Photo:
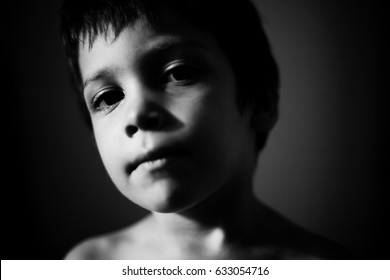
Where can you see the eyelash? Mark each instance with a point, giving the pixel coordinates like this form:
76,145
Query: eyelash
175,74
180,73
115,94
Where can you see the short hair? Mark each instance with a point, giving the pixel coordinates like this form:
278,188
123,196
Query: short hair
234,24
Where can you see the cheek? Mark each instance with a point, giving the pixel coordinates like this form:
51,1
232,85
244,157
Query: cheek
219,134
214,113
109,149
203,105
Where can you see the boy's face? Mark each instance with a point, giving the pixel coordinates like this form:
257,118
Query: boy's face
164,114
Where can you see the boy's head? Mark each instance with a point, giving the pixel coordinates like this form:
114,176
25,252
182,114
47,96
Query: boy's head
179,93
235,25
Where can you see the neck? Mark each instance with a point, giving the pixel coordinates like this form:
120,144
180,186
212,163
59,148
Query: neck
223,216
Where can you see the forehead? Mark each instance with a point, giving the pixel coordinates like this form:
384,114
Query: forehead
141,37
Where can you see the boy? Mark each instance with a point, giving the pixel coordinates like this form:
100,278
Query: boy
181,96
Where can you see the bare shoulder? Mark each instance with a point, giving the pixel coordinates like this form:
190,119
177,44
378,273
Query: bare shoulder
90,249
121,244
286,240
96,248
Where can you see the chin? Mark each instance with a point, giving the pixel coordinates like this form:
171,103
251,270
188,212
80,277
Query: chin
166,200
162,206
167,205
167,194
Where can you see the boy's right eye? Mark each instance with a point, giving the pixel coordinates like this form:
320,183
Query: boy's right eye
107,99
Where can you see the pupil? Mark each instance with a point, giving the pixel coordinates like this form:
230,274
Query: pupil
113,97
183,73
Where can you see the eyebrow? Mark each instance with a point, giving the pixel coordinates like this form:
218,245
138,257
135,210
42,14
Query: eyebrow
103,73
174,42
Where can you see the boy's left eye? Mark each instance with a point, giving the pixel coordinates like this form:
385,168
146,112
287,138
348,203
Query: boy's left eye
181,74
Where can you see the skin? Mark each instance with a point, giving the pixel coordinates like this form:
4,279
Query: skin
167,126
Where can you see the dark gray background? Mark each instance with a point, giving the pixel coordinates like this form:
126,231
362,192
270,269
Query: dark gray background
324,167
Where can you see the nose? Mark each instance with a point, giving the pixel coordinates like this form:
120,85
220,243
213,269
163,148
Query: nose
146,120
145,113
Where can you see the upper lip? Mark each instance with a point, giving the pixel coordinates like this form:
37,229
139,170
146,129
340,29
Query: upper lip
158,153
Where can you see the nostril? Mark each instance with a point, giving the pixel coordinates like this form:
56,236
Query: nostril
131,130
146,121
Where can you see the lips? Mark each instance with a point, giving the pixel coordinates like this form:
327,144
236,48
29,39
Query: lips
157,158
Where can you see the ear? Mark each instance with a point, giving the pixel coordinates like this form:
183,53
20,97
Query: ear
263,121
265,114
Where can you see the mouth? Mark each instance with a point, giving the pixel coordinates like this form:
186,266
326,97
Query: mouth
157,159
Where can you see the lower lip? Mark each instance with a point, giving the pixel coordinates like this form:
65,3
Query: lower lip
161,164
158,163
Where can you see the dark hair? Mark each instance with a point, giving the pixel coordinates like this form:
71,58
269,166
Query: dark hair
235,24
